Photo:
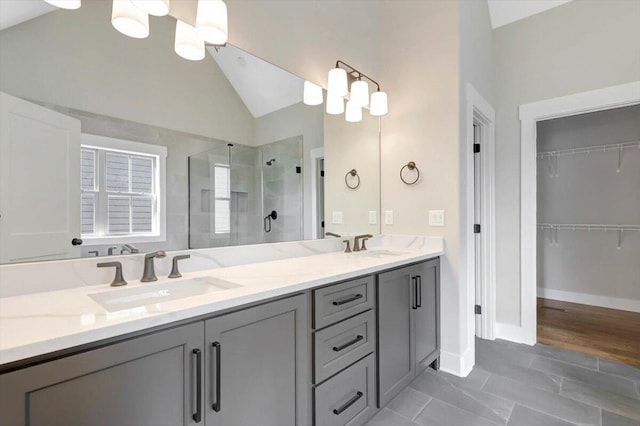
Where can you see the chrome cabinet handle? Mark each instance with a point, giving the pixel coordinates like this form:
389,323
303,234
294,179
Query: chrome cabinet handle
349,403
216,405
347,300
346,345
197,416
418,291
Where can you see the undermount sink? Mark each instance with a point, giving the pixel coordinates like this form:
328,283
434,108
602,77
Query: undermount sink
379,253
148,294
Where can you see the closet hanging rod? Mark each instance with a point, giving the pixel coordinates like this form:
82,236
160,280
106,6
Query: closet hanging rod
589,149
588,227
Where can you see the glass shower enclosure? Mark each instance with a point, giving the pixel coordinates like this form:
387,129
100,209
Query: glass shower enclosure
240,194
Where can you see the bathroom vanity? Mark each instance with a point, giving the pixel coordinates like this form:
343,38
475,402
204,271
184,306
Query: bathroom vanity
322,351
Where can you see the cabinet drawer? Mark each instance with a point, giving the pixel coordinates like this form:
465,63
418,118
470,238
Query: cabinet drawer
340,301
349,397
342,344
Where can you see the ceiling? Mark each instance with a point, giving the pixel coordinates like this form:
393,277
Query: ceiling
13,12
263,87
504,12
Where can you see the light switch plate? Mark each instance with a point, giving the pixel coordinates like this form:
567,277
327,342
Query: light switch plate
388,217
436,217
336,218
373,217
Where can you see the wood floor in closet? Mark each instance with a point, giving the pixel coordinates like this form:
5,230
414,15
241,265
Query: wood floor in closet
602,332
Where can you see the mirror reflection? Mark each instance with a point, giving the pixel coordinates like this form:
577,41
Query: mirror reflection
112,145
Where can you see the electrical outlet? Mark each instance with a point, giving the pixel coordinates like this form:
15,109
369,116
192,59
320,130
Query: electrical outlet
372,217
436,217
336,218
388,217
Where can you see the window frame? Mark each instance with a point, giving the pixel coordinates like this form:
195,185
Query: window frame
101,143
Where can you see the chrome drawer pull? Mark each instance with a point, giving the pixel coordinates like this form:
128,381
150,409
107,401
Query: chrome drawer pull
346,345
347,300
349,403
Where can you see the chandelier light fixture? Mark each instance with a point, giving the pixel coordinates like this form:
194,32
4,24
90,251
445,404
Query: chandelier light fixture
153,7
312,94
338,90
131,18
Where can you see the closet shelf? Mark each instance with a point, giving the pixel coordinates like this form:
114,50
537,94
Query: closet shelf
589,149
588,227
555,227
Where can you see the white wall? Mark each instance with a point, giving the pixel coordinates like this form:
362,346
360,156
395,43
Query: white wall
580,46
350,146
587,188
420,59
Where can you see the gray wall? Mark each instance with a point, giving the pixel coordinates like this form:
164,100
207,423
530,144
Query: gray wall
579,46
585,188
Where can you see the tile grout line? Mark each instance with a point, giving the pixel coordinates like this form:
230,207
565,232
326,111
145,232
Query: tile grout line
422,409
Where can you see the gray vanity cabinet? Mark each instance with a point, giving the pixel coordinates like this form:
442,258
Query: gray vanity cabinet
408,325
256,365
148,380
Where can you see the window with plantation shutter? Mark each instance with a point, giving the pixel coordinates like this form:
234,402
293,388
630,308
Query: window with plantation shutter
121,190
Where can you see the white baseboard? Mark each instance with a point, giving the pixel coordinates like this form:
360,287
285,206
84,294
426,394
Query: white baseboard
632,305
458,364
510,332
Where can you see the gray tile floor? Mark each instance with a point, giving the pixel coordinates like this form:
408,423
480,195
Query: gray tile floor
519,385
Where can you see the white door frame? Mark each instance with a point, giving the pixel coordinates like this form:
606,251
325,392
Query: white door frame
478,110
579,103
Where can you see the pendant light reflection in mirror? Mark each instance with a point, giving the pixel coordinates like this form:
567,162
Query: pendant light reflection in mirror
338,90
131,18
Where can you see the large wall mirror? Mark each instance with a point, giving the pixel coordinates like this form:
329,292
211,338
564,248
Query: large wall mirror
123,144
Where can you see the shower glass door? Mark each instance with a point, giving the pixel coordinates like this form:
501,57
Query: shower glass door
282,190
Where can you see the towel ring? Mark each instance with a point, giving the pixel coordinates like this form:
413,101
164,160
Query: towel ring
411,166
353,173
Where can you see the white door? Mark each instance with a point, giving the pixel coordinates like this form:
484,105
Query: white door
39,182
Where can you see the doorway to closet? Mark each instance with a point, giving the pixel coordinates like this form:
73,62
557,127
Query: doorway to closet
588,233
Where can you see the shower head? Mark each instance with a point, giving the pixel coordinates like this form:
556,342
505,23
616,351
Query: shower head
270,162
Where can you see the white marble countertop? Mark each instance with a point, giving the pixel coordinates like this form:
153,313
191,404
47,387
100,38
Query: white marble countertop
40,323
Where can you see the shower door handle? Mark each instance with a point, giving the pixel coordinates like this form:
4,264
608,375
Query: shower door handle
267,220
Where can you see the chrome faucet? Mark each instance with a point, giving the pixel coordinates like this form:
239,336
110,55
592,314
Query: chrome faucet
357,238
129,248
149,273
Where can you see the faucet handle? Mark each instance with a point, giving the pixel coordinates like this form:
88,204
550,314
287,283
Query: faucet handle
364,247
118,280
175,273
348,249
111,249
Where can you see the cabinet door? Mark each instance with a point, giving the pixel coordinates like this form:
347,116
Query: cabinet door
396,363
256,367
427,316
149,380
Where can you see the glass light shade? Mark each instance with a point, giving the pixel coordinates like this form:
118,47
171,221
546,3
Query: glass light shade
189,44
360,93
335,103
354,112
129,20
338,81
211,21
312,94
65,4
378,106
153,7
